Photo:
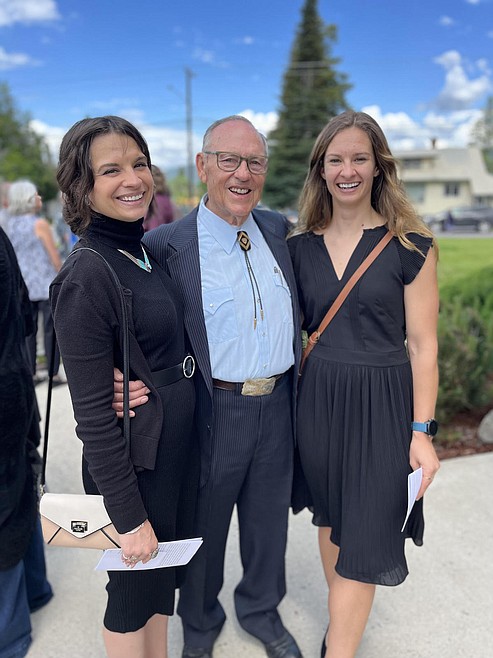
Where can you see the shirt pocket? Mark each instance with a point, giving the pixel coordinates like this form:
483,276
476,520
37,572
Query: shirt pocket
283,296
220,314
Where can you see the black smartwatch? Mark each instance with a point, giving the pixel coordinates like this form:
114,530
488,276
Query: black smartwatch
430,427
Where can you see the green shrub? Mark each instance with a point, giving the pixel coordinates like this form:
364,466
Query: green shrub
475,289
465,339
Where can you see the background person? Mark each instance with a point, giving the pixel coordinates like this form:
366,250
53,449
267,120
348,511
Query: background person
4,202
149,488
39,260
360,389
24,587
161,210
240,337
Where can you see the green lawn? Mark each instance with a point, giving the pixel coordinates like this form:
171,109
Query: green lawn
460,256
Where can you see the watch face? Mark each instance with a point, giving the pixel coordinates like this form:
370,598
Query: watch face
433,425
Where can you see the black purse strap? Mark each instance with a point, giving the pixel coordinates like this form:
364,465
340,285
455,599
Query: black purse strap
126,367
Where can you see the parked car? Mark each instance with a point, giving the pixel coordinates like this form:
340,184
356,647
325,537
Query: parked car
474,218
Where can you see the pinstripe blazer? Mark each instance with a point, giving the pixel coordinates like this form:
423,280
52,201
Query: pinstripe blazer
176,247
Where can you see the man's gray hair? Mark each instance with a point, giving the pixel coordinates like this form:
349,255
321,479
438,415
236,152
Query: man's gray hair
234,117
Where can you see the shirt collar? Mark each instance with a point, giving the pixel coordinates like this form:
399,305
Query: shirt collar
225,234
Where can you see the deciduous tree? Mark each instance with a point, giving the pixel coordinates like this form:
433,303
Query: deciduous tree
483,133
23,153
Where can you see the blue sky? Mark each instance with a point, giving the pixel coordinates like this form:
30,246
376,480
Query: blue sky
422,68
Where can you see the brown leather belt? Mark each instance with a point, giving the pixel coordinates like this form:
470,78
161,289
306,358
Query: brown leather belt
260,386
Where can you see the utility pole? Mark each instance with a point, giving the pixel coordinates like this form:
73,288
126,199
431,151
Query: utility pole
190,163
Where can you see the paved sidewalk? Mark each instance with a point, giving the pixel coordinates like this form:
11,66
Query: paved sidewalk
443,610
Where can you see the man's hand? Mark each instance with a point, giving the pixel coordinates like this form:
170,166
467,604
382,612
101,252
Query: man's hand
138,394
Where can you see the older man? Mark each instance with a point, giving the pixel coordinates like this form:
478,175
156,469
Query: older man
233,268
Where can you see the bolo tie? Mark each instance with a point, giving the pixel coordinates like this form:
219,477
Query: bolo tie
246,245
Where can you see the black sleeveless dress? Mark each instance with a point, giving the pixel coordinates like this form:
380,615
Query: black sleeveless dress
355,404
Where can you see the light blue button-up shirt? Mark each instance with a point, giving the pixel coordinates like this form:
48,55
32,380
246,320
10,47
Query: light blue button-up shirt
238,351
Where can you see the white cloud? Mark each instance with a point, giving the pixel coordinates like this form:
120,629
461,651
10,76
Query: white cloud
446,21
208,57
52,134
27,11
459,91
453,129
168,147
473,2
404,133
245,41
401,130
484,66
15,60
264,122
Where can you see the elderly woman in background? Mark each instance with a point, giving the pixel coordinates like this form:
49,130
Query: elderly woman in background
39,260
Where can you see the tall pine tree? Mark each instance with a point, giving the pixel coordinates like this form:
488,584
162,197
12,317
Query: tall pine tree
313,92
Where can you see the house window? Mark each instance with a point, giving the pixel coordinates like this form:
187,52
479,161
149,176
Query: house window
452,189
415,192
411,163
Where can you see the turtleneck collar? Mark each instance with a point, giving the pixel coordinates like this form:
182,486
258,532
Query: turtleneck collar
115,233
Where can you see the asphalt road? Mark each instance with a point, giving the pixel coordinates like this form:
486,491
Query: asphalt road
463,234
443,610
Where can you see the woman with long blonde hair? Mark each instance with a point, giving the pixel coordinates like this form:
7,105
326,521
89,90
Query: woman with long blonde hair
368,389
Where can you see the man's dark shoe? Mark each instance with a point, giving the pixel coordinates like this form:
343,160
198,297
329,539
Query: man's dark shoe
196,652
284,647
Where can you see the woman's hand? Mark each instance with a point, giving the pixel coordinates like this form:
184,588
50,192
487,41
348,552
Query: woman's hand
137,394
422,453
138,546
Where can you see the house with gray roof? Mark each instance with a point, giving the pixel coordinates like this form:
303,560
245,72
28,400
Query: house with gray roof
441,179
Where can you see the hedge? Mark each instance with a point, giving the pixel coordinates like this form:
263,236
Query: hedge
465,344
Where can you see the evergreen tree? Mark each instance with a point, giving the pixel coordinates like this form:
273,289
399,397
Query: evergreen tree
23,153
313,92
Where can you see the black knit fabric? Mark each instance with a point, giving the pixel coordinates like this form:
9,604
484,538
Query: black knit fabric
166,492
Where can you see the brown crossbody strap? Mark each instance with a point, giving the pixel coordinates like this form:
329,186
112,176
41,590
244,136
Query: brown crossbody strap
339,300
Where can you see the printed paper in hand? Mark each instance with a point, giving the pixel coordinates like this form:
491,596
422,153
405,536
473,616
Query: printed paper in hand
413,484
171,554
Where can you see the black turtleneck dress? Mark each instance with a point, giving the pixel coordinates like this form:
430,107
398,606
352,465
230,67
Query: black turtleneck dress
157,477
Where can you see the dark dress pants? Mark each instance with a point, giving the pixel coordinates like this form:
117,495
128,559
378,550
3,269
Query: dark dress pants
38,588
252,462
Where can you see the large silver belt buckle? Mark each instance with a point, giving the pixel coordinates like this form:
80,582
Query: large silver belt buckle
260,386
188,366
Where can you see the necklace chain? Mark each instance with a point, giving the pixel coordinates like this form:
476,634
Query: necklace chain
143,264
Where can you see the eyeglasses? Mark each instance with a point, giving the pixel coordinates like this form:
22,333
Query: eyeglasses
257,164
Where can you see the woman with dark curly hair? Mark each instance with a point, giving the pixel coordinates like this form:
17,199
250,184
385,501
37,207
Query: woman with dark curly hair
149,486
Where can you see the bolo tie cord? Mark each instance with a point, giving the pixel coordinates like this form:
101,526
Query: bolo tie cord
245,244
